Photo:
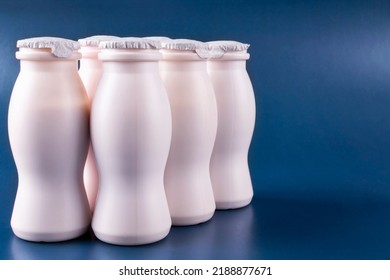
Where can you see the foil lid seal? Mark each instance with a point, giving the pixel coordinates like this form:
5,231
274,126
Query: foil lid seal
60,47
130,43
199,47
94,41
218,48
158,38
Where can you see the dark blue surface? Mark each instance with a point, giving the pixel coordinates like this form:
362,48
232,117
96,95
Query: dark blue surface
270,228
320,154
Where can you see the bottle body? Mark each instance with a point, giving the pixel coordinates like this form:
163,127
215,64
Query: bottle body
48,132
131,133
236,118
90,72
194,123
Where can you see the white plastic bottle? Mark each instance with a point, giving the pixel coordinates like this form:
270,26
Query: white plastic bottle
236,119
194,124
48,132
90,72
131,133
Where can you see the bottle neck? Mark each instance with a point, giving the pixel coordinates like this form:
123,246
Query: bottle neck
174,60
90,64
137,67
49,65
183,65
129,60
229,61
226,65
42,60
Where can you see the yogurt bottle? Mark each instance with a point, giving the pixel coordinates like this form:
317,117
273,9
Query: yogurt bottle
188,187
131,134
48,132
236,119
90,72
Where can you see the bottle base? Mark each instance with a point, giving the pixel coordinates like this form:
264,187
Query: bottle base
131,240
190,221
49,237
226,205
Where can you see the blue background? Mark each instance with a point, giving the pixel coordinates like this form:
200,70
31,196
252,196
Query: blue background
319,158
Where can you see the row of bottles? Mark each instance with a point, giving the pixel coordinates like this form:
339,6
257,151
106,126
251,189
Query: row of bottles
162,126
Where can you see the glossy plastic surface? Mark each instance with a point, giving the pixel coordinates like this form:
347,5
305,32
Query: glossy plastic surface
229,169
90,72
194,126
48,132
131,133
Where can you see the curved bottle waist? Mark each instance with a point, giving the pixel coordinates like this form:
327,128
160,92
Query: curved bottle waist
48,122
130,124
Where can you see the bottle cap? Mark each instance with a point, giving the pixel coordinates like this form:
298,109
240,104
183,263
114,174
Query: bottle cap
94,41
158,38
219,48
60,47
187,45
130,43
